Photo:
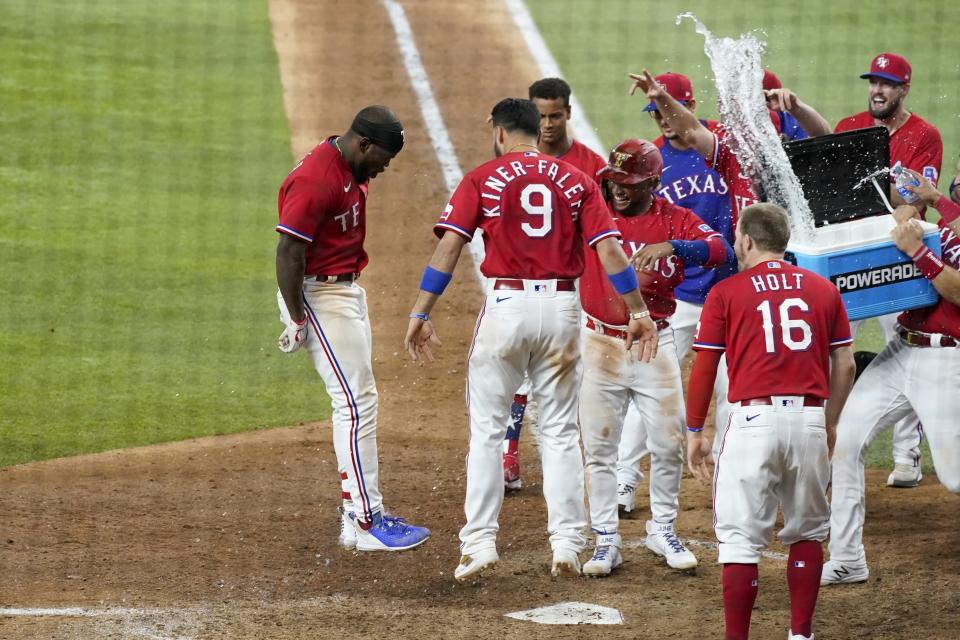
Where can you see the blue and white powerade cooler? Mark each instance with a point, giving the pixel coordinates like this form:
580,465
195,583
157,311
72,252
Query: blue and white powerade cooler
852,246
873,276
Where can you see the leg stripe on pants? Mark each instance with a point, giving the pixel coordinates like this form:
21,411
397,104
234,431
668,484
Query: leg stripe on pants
716,468
473,343
351,404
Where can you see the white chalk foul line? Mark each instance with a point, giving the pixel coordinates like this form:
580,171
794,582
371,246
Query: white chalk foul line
71,612
582,129
430,111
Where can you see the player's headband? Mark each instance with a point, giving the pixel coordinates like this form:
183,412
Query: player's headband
388,137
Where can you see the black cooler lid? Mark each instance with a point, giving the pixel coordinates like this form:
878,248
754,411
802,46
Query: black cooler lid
829,167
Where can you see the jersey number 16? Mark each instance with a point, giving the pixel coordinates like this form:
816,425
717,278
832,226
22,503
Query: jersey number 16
789,327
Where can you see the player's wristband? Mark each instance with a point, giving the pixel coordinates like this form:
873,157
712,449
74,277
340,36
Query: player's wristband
640,315
421,316
694,429
695,251
949,210
928,262
625,281
434,281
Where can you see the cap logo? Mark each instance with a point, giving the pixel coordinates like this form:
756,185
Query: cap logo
882,62
619,158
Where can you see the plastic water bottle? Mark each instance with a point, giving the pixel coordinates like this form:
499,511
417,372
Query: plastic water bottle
903,179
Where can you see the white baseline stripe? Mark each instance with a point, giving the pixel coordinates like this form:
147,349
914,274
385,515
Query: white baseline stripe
582,129
70,612
430,111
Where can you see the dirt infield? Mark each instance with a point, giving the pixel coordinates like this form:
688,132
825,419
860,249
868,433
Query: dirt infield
235,536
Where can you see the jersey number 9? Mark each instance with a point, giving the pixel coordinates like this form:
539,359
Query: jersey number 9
544,210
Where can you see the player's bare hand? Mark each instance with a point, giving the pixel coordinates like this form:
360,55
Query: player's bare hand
698,455
645,82
646,257
927,192
293,336
420,335
831,440
644,333
908,236
781,99
905,212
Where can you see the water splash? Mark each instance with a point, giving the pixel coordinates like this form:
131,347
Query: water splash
738,76
868,178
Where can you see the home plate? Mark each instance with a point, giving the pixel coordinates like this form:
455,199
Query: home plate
570,613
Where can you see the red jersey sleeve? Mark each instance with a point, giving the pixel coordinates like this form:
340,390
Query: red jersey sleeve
840,334
303,207
712,328
462,213
595,220
929,153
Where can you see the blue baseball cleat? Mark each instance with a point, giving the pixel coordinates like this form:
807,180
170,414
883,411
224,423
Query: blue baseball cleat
388,533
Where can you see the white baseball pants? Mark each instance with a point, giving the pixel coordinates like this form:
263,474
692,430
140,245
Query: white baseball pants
536,331
339,343
902,380
633,443
907,432
612,379
770,456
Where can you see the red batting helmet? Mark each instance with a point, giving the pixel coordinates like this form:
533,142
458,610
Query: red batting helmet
632,161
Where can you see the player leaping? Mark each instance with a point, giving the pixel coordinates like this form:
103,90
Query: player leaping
535,212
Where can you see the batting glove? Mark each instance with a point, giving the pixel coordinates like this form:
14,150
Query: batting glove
293,336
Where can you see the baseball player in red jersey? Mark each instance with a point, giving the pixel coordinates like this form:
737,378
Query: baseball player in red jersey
717,153
552,98
686,181
662,238
322,205
916,144
785,333
917,373
535,212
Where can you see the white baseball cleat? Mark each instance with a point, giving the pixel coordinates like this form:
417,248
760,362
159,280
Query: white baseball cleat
904,476
836,572
626,497
348,534
473,564
606,556
791,636
565,563
664,542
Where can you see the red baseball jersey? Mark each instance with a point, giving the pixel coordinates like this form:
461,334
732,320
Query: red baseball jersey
916,144
725,162
777,324
534,210
321,204
661,223
943,317
584,158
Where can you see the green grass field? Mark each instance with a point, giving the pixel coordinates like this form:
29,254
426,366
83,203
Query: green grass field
143,146
818,49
